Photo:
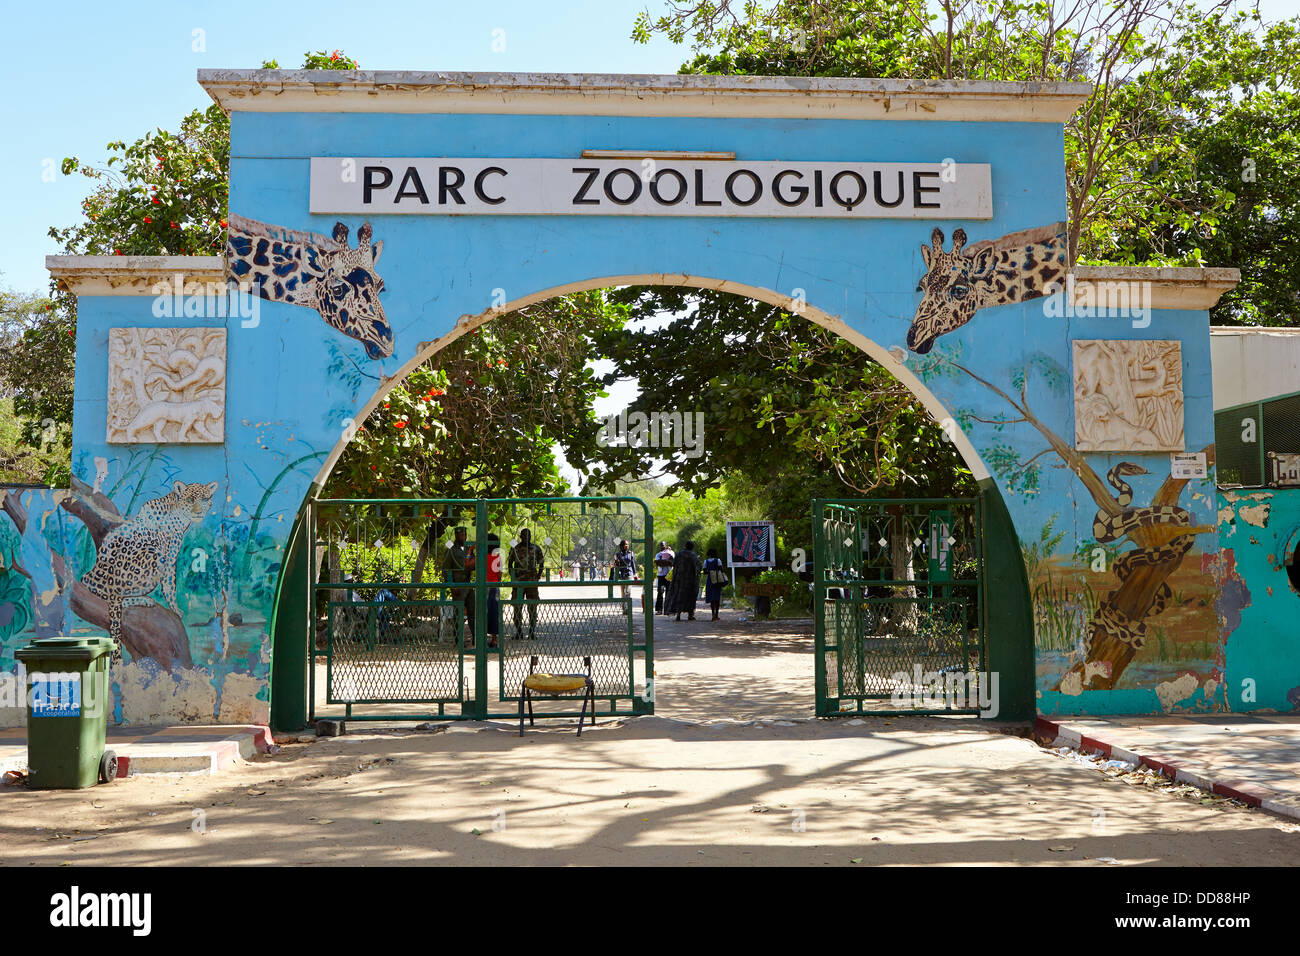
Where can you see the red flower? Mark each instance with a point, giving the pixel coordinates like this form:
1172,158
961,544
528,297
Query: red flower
223,224
147,219
399,424
156,201
173,225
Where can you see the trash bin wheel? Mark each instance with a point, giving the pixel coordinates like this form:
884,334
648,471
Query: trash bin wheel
108,767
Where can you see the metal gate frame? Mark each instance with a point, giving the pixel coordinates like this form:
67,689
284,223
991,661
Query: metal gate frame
832,569
436,595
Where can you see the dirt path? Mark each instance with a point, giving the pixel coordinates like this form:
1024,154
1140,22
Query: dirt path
651,791
699,783
735,668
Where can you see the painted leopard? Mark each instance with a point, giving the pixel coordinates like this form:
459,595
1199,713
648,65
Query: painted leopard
139,554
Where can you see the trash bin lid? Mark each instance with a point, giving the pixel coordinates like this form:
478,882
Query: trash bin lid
66,648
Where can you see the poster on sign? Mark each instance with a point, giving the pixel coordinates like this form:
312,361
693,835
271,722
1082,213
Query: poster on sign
751,544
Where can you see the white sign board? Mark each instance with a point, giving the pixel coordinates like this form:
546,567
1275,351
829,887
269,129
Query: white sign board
650,187
1284,467
1191,465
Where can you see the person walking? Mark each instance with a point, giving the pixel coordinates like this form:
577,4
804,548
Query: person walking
663,564
715,579
494,593
685,588
625,570
527,563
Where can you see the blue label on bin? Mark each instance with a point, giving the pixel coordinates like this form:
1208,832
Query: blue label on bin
56,695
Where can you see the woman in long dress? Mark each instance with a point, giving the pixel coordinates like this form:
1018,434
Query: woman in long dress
713,568
685,586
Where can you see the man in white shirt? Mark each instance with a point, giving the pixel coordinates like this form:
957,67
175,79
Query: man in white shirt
663,564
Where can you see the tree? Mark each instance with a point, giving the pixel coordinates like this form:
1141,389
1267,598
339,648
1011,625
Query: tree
1228,161
483,416
35,369
163,194
1156,158
783,400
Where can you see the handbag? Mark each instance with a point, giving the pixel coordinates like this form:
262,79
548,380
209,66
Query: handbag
717,576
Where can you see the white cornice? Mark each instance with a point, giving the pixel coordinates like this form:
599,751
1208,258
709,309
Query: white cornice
1182,288
601,94
132,275
1170,288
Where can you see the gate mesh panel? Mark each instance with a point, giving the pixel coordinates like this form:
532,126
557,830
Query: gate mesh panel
1237,462
883,642
567,631
390,651
1281,432
902,619
391,597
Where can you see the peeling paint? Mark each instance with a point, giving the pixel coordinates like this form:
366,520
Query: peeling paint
147,694
1173,691
1256,515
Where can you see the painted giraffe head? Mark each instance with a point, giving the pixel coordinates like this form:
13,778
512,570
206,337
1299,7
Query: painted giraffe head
956,284
320,272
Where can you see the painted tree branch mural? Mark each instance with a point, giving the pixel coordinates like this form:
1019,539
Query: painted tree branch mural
1162,533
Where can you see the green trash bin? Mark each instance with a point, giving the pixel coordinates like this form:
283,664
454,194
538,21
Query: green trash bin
68,700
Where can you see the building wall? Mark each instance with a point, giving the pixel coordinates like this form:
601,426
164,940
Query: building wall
1260,532
1254,364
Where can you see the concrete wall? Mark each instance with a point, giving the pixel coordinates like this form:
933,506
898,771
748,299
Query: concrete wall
1254,364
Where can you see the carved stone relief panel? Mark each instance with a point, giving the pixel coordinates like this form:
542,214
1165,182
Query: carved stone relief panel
166,385
1128,395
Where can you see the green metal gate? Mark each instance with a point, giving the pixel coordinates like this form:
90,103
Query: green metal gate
899,606
396,637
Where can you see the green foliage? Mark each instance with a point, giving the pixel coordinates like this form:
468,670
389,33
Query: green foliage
163,194
483,416
786,403
795,598
1185,153
36,349
680,518
320,60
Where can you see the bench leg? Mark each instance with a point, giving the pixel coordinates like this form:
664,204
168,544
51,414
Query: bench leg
522,694
583,716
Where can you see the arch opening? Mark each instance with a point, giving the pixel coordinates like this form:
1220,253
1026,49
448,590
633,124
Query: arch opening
887,361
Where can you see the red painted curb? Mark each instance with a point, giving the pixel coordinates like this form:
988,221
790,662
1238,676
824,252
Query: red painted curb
1092,743
1240,790
1248,793
1048,728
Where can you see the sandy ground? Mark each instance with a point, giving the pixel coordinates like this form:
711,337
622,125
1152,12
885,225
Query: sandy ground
668,789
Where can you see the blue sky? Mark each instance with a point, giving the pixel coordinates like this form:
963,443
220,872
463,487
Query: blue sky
86,73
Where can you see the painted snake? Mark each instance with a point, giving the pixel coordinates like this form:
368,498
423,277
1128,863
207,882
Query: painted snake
1108,527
